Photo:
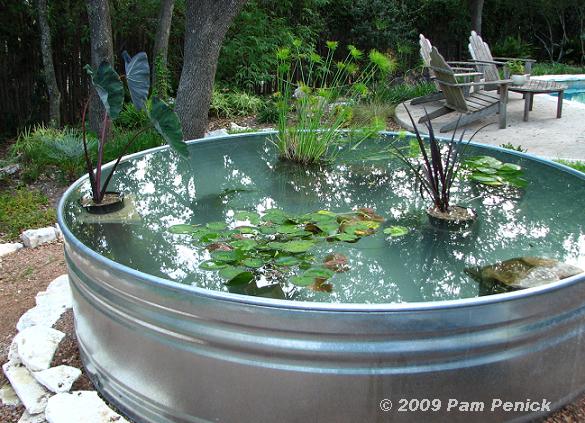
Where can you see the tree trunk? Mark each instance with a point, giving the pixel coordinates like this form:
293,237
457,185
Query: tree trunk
206,23
48,67
161,45
476,9
100,31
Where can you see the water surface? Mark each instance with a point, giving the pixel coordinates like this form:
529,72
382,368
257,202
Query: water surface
225,176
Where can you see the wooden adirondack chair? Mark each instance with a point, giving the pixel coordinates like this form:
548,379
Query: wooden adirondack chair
481,54
477,105
467,70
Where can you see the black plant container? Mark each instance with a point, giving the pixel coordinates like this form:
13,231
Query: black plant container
452,224
114,201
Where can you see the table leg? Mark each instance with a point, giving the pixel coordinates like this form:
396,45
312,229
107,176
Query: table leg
527,102
531,101
560,104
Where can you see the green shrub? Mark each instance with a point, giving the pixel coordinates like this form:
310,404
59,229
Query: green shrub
44,150
556,69
235,103
396,94
268,113
23,209
41,148
144,141
132,118
511,146
580,166
373,112
512,47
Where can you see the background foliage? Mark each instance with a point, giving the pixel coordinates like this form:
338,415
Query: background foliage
550,31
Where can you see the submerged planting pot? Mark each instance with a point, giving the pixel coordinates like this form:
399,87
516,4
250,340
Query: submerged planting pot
161,351
459,218
112,202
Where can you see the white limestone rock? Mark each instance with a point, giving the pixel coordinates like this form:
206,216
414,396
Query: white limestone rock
37,346
32,394
235,127
80,406
32,238
58,294
51,304
8,396
32,418
217,133
58,232
58,379
9,248
13,353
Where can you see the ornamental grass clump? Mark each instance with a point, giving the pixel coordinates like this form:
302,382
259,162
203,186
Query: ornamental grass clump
315,98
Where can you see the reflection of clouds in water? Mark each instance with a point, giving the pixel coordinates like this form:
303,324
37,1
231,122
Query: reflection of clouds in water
423,265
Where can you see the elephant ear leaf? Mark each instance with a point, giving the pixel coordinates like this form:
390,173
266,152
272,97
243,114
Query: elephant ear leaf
137,77
109,87
167,124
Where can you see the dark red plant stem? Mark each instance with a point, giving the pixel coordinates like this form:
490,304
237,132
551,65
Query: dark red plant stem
126,147
100,157
89,167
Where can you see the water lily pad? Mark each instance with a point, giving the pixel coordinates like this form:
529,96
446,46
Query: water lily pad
297,246
236,275
302,280
206,236
267,229
244,244
318,272
289,229
247,230
227,256
396,231
345,237
216,226
183,229
253,262
218,246
336,262
321,285
275,216
212,265
287,261
252,217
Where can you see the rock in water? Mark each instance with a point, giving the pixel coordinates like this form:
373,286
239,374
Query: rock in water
524,272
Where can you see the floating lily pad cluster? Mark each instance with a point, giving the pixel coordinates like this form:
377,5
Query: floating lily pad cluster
490,171
277,246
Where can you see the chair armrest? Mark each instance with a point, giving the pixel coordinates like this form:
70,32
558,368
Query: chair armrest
508,59
502,82
457,75
470,63
489,62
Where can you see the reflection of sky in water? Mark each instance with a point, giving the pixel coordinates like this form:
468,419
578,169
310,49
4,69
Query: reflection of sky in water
243,174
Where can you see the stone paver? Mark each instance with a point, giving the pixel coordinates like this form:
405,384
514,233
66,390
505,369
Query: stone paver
80,406
34,237
542,135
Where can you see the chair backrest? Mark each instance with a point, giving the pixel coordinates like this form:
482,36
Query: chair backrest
454,96
479,50
425,54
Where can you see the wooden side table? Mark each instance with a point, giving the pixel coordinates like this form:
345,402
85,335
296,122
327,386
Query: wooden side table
540,87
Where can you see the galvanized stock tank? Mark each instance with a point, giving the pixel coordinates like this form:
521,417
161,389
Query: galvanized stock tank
162,351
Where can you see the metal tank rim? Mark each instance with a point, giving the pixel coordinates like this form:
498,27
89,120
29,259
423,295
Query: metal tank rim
306,305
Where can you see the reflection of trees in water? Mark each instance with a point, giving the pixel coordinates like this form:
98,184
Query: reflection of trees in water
425,264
